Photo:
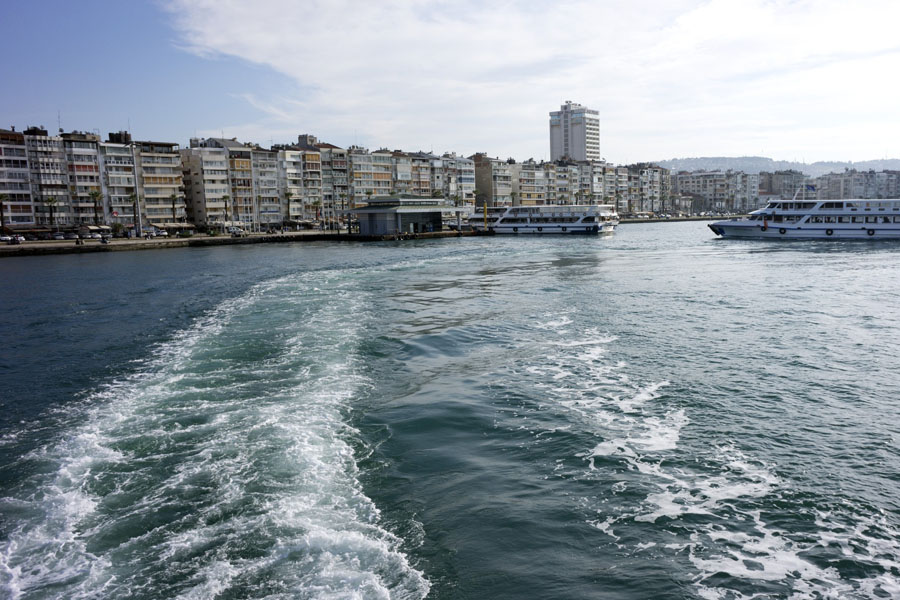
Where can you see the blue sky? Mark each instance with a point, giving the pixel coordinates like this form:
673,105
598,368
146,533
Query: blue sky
790,79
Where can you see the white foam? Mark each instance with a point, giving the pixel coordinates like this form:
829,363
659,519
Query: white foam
286,438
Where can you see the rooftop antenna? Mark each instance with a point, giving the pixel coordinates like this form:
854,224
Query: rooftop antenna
59,120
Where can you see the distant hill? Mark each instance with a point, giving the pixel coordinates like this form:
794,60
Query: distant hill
755,164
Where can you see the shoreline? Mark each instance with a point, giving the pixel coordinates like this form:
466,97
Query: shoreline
45,247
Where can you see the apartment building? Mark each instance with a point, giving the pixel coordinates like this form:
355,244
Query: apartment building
160,179
49,178
290,183
243,209
728,191
575,133
649,188
264,170
16,205
83,166
493,181
401,172
335,178
207,190
118,180
782,184
458,180
529,183
371,174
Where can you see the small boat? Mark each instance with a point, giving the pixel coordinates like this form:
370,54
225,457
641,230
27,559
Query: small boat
588,219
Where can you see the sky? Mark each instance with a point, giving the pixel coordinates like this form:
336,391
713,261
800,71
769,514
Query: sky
789,79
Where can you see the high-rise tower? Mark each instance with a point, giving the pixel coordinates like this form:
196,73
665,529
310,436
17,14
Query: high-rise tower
574,133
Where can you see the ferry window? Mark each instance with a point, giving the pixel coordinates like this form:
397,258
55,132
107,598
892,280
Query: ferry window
777,218
829,219
843,219
816,219
885,219
871,219
896,219
858,220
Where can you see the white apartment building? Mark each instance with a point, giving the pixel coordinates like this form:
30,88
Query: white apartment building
458,178
160,179
15,180
290,183
243,204
49,178
574,133
83,164
118,180
401,172
371,174
335,179
264,168
721,191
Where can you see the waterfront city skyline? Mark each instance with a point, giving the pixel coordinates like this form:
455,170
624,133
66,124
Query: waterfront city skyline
668,80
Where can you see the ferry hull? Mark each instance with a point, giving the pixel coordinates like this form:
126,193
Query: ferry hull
748,230
549,230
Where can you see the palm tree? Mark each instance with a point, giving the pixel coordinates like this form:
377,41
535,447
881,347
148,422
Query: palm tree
95,198
225,199
287,198
51,201
174,199
134,212
3,198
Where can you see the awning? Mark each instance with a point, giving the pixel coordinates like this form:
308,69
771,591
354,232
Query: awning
173,225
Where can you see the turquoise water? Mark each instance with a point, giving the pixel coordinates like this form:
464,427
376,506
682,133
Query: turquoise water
658,414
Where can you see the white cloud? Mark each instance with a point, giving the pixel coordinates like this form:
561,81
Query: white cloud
790,79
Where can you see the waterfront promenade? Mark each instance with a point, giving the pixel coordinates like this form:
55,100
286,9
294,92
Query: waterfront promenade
44,247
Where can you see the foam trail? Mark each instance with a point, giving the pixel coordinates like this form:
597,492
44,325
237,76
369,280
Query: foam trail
223,466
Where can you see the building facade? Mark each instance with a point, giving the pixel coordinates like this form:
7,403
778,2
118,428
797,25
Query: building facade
575,133
493,181
16,205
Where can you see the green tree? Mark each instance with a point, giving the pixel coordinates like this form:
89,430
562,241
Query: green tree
174,200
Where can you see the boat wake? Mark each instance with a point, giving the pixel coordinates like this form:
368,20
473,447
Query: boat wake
224,466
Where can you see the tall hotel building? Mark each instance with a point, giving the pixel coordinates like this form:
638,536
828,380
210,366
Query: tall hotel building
574,133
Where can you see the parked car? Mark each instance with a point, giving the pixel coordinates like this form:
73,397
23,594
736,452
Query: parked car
70,236
5,238
58,236
162,233
95,236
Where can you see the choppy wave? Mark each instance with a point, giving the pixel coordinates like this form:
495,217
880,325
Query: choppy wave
715,505
224,465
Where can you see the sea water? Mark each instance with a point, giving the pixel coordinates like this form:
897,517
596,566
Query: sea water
656,414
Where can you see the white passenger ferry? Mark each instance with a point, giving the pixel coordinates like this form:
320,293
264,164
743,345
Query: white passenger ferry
589,219
819,219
